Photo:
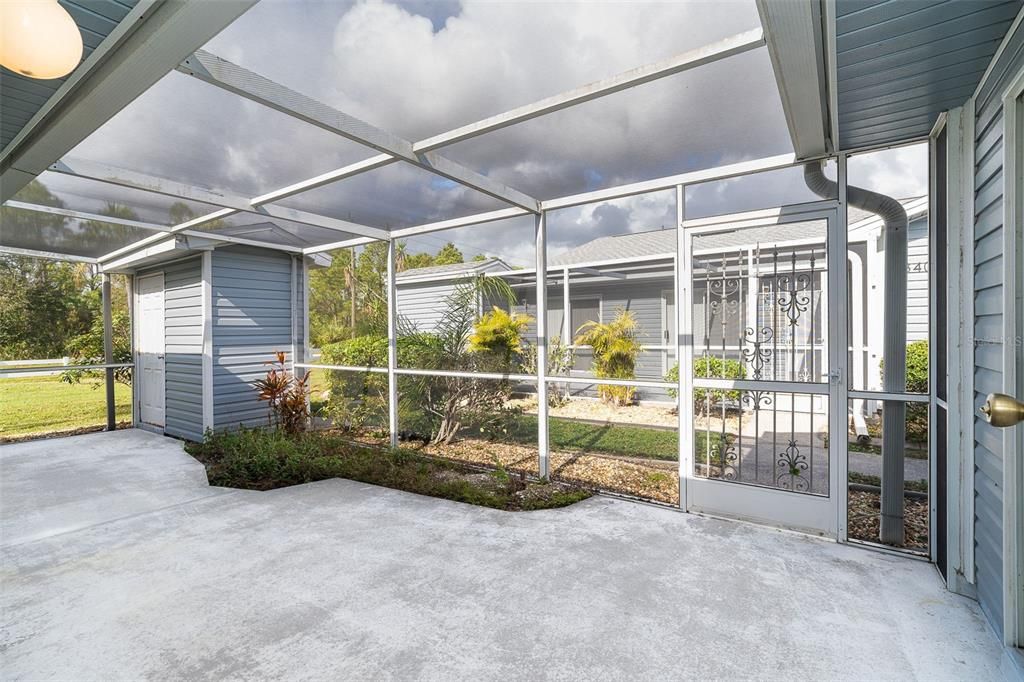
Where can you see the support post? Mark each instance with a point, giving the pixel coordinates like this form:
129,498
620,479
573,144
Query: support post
684,349
392,346
108,351
542,343
566,309
352,293
129,282
836,344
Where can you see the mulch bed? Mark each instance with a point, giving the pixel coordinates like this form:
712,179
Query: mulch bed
864,518
649,479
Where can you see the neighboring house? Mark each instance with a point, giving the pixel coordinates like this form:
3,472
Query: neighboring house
635,272
422,293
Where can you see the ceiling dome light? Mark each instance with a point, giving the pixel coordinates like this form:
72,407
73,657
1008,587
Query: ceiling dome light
38,38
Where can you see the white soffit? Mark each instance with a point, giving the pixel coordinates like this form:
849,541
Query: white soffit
793,34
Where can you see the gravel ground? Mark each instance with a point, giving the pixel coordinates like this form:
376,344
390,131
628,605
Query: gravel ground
595,410
650,479
864,519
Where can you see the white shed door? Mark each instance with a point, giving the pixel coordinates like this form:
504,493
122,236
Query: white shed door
151,349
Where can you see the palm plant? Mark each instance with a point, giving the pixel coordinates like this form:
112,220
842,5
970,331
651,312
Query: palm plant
454,402
616,349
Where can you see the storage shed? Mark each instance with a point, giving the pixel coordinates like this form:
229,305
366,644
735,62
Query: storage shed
207,317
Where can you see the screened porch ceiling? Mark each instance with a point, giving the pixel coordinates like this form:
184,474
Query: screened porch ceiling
309,126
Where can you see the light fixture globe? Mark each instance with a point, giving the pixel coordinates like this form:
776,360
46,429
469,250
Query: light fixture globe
38,38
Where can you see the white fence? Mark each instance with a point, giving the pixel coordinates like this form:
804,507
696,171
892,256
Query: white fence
24,368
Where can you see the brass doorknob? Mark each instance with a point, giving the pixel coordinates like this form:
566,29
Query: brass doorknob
1002,410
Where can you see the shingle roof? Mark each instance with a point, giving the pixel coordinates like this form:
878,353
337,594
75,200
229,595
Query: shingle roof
266,231
453,269
662,242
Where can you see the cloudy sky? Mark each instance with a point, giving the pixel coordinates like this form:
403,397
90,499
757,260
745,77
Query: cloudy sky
420,67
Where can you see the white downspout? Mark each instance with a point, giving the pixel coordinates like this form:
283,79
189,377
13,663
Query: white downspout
894,355
857,324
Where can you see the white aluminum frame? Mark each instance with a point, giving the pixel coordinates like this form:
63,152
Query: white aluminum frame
241,82
207,364
808,512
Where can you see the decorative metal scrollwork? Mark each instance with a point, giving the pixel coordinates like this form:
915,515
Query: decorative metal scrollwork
760,354
792,465
793,296
725,287
755,400
727,458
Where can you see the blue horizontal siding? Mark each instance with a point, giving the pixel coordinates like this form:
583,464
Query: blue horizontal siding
252,318
183,349
900,64
989,291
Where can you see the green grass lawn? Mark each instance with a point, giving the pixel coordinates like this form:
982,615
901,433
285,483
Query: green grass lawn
37,405
614,439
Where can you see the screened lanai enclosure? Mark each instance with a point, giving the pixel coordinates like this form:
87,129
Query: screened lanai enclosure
704,270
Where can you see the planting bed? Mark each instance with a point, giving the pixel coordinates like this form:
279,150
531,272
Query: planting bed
264,459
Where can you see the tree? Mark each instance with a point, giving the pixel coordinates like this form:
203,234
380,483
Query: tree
347,301
448,255
102,236
330,300
418,260
43,303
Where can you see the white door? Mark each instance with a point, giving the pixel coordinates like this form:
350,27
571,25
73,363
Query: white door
757,377
150,308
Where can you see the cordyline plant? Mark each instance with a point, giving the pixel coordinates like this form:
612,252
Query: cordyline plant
287,396
616,349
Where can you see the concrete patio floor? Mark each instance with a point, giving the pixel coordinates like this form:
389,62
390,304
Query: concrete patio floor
120,563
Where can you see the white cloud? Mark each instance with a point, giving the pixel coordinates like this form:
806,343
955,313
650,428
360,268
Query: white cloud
417,69
901,172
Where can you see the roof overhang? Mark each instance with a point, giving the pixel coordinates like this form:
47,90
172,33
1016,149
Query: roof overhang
150,42
179,246
896,66
795,38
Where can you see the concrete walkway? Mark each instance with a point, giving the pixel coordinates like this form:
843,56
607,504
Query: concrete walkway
119,563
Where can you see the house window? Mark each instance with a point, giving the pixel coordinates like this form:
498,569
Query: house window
583,311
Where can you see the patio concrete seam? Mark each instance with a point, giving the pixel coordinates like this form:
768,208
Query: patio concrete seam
218,492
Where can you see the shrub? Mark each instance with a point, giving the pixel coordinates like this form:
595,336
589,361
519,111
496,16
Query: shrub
88,349
441,405
616,349
359,400
263,459
917,382
715,368
561,359
917,367
498,334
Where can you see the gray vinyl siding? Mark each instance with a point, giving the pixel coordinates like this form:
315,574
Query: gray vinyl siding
422,305
251,291
988,327
643,298
183,349
917,280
